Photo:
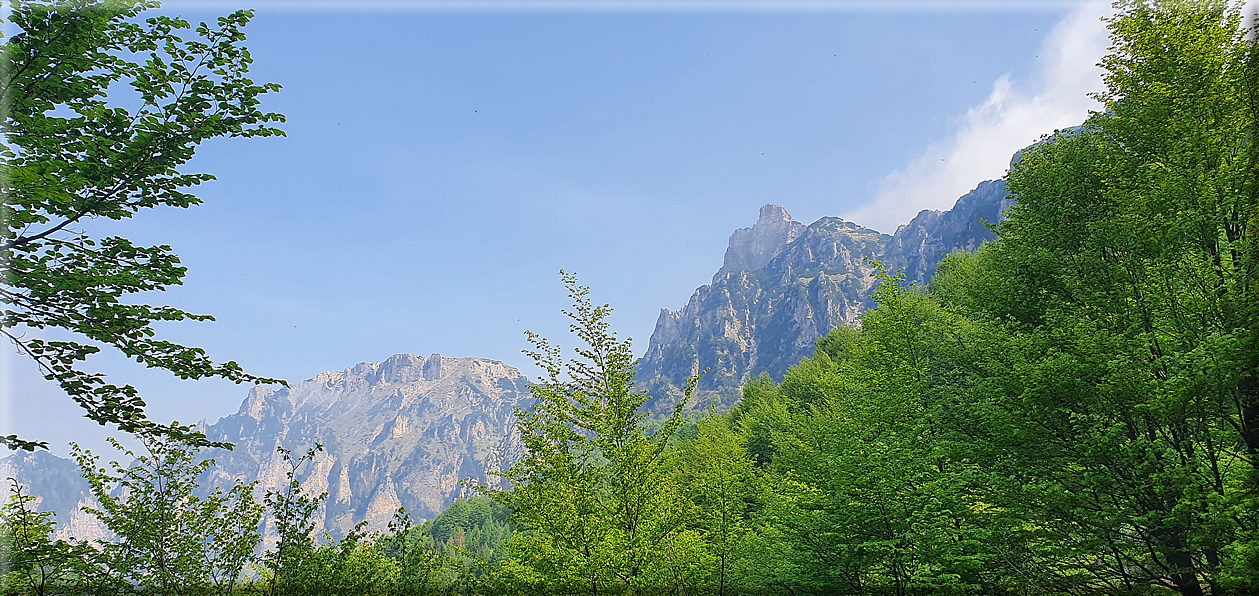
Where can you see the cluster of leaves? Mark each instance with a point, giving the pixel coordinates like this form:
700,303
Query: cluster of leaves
170,539
592,501
161,537
69,156
448,555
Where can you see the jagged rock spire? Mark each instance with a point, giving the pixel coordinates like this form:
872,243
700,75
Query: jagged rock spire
750,249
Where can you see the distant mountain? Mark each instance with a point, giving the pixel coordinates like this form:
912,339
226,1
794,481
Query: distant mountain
765,308
406,431
783,285
917,247
403,432
54,480
58,486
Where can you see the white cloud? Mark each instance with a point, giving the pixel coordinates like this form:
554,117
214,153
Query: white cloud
1014,115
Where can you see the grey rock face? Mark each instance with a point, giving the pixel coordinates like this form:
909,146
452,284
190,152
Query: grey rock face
784,285
57,486
918,247
755,319
403,432
750,249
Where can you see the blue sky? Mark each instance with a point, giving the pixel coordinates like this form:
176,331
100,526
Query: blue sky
442,165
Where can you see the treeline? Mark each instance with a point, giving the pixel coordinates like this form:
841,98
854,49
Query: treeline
162,537
1073,408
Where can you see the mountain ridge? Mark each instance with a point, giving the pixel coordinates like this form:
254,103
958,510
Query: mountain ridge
403,432
407,431
783,285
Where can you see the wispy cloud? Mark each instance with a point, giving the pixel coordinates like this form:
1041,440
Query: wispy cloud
1015,114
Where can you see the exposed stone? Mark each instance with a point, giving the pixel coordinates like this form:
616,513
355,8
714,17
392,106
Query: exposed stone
404,432
784,285
762,315
750,249
918,246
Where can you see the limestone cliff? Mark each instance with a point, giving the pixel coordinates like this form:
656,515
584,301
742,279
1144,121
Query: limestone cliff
783,285
918,246
403,432
765,308
58,487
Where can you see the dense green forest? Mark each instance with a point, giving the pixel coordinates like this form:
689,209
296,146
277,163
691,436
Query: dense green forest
1073,408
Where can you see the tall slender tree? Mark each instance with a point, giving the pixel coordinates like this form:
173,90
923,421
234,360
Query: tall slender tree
592,501
167,538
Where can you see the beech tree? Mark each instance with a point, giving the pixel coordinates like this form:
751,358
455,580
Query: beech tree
71,155
32,559
716,475
168,539
593,502
1119,368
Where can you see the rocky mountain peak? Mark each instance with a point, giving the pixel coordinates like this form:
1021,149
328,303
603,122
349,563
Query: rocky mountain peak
771,214
750,249
918,246
433,368
402,432
405,432
784,285
397,369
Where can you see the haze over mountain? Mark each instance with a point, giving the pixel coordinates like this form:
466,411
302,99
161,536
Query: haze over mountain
405,432
57,485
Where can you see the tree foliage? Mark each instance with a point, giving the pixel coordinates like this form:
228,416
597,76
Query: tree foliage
1123,316
591,498
167,539
100,110
32,560
1070,409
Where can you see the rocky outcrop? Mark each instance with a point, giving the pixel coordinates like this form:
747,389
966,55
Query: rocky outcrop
751,249
918,246
405,432
784,285
58,487
761,314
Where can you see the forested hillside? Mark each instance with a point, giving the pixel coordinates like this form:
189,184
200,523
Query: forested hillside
1072,408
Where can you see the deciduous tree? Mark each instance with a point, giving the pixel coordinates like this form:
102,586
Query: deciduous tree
592,502
100,111
166,537
1120,365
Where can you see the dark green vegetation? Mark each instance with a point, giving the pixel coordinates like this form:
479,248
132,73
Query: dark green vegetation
1073,408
